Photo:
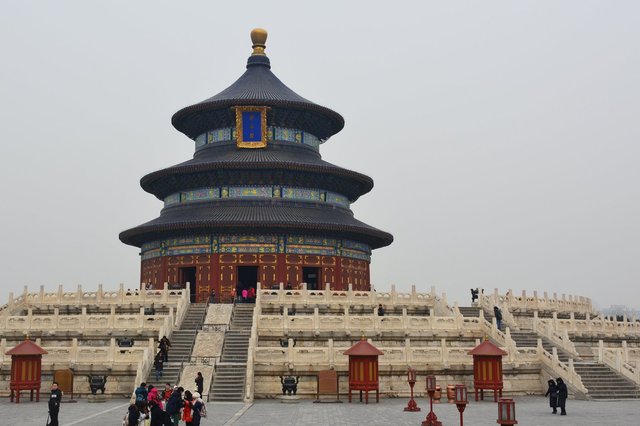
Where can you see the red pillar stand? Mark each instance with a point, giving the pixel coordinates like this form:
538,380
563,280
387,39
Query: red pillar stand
432,419
413,405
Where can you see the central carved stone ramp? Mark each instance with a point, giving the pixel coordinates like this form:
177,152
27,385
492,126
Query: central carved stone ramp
228,382
604,383
181,345
529,339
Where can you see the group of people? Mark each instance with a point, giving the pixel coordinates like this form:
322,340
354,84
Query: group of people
247,295
167,407
557,393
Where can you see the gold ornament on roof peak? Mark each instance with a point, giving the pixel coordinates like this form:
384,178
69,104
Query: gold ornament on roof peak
259,40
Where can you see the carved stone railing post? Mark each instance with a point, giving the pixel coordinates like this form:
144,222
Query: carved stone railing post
600,351
332,361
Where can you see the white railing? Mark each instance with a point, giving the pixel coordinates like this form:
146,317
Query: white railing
57,322
330,356
75,354
284,325
618,360
524,302
251,354
144,368
557,368
343,298
100,297
590,326
545,328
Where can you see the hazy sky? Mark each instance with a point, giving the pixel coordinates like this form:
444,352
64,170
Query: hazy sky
503,137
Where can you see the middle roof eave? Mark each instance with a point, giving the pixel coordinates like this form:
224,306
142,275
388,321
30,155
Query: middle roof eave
162,182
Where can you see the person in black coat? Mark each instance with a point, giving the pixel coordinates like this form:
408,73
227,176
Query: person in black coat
498,314
174,405
133,416
54,404
199,383
563,393
552,393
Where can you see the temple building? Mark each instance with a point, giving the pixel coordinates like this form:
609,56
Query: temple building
256,203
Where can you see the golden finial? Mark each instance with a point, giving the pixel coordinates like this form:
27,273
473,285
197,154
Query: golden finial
258,38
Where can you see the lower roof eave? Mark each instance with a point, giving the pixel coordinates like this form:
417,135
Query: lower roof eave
145,233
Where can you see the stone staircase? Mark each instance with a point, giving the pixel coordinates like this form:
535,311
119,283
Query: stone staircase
474,311
529,339
228,382
182,342
604,383
600,380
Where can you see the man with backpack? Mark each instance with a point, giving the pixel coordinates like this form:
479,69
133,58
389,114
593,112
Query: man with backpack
174,405
141,395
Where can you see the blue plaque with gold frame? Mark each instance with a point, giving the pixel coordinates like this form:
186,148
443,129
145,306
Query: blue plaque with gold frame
251,126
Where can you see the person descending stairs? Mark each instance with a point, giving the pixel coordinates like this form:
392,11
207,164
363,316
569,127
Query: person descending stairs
182,341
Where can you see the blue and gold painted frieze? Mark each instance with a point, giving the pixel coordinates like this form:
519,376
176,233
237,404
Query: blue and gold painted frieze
261,244
287,192
274,133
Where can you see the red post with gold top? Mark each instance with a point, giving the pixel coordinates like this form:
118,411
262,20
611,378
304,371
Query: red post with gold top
26,369
487,369
363,369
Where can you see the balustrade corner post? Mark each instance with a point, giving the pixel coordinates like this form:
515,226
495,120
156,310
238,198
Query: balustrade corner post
600,351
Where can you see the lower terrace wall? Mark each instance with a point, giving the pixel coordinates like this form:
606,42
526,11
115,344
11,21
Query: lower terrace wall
393,381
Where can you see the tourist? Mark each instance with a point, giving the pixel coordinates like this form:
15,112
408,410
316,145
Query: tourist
187,410
54,404
199,410
552,392
199,383
158,365
132,418
252,294
164,346
562,395
158,416
380,310
288,286
154,396
212,297
174,405
245,295
498,314
168,390
141,395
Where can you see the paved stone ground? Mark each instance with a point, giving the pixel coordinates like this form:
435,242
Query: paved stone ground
531,411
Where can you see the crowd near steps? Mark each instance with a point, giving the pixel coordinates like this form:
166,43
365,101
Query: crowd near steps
228,382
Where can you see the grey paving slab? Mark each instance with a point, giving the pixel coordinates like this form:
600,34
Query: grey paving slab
95,414
531,411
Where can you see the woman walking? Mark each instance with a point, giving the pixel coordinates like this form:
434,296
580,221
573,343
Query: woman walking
552,393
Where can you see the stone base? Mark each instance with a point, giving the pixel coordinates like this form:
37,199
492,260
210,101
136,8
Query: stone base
97,398
286,399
